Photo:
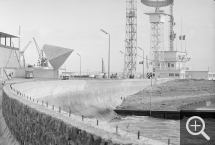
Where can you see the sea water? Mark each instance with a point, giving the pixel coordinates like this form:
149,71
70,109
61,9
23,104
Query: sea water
154,128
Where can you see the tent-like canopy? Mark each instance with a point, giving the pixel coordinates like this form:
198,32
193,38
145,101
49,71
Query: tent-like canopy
56,55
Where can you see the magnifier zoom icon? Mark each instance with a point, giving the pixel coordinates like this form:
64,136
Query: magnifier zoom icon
195,126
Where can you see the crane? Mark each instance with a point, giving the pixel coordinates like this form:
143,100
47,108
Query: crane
42,59
22,53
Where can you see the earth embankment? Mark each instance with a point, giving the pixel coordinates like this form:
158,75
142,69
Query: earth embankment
172,96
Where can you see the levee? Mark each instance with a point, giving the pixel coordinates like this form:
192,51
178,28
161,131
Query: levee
90,98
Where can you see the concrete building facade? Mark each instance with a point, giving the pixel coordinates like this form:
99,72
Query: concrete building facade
175,62
9,56
39,72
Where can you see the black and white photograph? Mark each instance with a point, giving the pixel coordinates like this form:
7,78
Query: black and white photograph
107,72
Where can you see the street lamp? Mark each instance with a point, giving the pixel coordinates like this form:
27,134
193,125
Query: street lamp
108,53
80,64
143,60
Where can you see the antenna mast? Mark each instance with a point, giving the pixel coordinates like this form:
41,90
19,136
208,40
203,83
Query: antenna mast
131,38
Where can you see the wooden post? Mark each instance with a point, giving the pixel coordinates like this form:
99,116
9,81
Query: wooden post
168,141
116,129
82,118
52,107
97,122
70,113
138,135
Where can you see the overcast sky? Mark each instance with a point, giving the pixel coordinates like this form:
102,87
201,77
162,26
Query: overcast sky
76,24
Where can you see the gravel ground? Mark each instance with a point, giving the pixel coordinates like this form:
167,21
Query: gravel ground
172,95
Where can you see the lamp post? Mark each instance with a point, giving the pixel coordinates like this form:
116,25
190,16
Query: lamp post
108,53
143,60
80,64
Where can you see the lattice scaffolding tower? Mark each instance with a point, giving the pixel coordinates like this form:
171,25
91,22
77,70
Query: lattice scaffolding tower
157,44
130,38
157,20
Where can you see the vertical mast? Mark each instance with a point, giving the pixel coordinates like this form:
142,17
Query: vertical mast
131,38
171,34
181,34
19,37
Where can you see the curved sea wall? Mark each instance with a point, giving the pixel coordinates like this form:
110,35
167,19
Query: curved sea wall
32,123
89,98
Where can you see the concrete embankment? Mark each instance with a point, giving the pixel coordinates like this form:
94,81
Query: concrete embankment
84,97
32,124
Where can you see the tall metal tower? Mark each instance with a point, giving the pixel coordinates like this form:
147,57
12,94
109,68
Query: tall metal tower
157,20
157,45
130,38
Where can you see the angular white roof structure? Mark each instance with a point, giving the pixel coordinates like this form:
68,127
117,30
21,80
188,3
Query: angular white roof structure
56,55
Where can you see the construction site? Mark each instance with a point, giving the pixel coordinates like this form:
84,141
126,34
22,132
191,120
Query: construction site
61,99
